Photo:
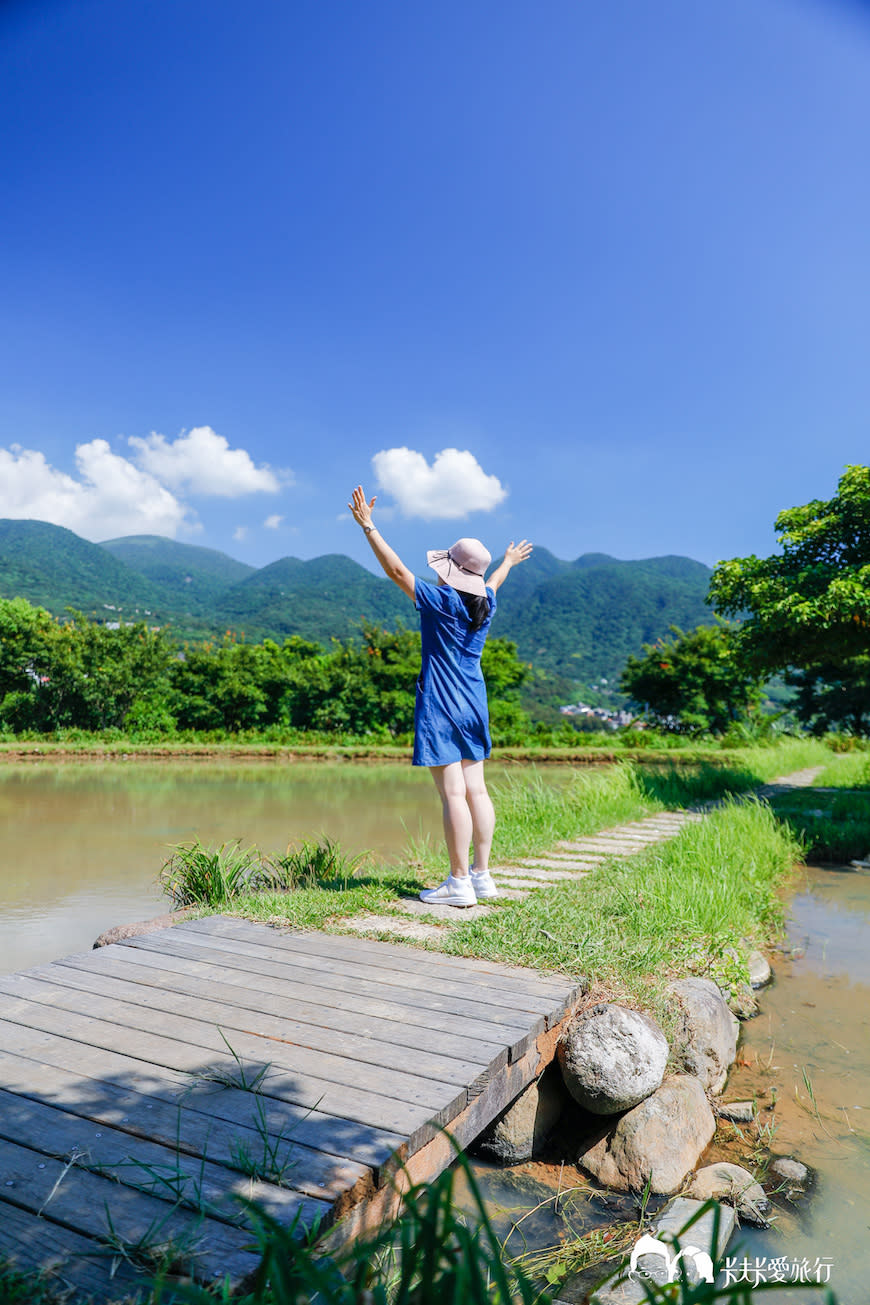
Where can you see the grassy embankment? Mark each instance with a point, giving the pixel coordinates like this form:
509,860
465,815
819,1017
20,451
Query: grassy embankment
832,819
682,907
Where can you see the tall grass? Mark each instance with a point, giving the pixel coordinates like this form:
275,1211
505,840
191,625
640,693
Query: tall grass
209,876
533,813
674,909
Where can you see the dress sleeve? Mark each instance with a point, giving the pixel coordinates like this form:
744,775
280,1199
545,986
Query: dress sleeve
427,597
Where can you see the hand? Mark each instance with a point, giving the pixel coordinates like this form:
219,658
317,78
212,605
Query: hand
516,553
362,511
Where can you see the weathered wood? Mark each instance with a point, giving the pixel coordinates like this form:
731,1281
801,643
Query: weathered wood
356,1102
401,975
163,1091
165,1171
110,993
493,974
413,1025
92,1205
67,1260
326,981
179,1125
164,984
371,1049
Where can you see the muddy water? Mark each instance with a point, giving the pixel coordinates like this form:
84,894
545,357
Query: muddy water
806,1061
83,843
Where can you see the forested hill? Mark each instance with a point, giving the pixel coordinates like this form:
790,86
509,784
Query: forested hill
580,619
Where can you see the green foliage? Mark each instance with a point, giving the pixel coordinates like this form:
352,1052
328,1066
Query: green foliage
694,683
310,865
209,876
808,604
433,1254
576,619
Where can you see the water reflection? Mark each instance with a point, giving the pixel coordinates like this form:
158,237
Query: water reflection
83,843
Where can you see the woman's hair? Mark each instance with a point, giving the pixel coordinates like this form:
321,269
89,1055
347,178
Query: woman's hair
477,607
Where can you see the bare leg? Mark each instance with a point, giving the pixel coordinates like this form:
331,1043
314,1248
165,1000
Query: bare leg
482,813
450,782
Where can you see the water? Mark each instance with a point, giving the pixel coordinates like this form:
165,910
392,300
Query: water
83,843
806,1061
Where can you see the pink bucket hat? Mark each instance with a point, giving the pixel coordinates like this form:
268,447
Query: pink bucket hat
463,566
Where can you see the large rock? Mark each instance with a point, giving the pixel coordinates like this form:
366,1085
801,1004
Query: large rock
734,1185
520,1132
760,972
611,1058
706,1038
659,1141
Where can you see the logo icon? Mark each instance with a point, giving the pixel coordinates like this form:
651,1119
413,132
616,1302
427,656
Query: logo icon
649,1245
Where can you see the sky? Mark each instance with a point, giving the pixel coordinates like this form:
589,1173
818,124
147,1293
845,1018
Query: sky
595,275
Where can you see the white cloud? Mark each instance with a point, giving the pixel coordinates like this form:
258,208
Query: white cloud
273,522
239,533
111,496
202,462
452,487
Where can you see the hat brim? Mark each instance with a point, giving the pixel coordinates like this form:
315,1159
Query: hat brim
452,575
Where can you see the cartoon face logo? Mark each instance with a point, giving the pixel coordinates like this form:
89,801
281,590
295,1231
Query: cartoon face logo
649,1245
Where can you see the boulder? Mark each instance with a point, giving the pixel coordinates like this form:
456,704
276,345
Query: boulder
122,931
739,1112
706,1040
742,1002
659,1141
522,1129
790,1175
760,972
735,1186
611,1058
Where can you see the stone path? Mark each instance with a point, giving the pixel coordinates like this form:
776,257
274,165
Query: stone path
423,921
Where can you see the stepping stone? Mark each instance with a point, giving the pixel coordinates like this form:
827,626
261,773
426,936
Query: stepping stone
540,872
548,863
416,930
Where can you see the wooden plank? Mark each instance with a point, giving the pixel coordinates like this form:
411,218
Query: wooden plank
155,1088
164,1171
504,978
361,1104
391,957
92,1205
180,1125
337,1007
399,977
324,981
232,1020
68,1261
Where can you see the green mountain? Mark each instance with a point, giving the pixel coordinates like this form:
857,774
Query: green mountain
187,578
321,599
54,568
579,620
584,619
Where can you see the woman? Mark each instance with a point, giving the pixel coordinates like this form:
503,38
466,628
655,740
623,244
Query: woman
451,719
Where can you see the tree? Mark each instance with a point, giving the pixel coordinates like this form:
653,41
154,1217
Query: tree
808,605
694,683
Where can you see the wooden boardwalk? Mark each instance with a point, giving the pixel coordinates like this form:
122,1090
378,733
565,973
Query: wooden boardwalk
161,1073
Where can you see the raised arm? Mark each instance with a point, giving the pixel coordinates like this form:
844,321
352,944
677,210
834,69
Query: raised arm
513,555
393,565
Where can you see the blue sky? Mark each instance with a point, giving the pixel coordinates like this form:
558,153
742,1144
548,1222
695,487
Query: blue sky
593,274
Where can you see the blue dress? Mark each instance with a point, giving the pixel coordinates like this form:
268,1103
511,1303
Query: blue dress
451,716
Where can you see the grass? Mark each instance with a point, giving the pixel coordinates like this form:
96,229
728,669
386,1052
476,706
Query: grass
209,876
683,907
849,770
833,827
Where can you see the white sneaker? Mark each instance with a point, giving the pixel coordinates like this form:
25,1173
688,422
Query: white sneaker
483,884
453,892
